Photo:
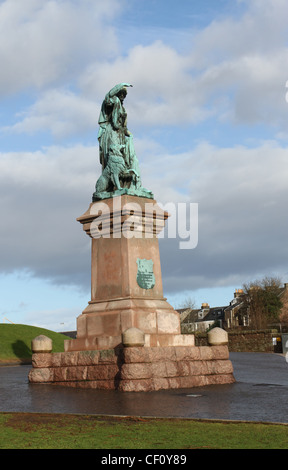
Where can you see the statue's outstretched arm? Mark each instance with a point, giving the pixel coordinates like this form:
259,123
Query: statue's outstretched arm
117,88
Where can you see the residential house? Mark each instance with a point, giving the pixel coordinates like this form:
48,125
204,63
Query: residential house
235,314
193,320
283,294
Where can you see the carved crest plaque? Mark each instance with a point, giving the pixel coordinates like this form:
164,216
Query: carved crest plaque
145,274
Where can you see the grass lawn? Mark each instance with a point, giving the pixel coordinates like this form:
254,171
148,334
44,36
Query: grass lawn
15,341
56,431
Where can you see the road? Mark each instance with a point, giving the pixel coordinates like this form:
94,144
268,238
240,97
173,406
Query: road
259,394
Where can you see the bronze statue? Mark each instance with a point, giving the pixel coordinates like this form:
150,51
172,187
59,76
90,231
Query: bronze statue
120,167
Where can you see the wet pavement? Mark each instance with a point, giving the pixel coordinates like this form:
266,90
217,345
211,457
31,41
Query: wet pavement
259,394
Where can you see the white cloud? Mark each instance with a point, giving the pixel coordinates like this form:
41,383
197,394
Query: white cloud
242,194
162,93
262,28
42,194
55,168
236,68
235,71
45,41
247,56
61,112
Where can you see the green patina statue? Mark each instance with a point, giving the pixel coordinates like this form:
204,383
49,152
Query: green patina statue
120,167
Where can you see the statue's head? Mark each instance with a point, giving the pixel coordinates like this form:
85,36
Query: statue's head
122,94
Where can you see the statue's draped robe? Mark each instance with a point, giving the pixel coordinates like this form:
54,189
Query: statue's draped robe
113,131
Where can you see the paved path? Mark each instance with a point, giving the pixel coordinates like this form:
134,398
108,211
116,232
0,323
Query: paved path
259,394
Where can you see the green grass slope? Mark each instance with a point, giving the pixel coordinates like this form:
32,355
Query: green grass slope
15,341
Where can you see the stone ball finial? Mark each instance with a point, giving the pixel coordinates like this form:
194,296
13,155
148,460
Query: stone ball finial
133,337
217,337
41,344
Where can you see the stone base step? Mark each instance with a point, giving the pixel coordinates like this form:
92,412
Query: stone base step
136,368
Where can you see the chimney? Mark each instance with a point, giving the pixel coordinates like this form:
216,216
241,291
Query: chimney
205,306
237,293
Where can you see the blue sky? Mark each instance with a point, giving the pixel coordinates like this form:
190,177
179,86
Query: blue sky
209,118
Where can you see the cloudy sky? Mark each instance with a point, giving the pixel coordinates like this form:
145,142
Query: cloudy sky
209,116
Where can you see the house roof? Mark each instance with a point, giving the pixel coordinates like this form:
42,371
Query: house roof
208,314
214,313
234,303
191,316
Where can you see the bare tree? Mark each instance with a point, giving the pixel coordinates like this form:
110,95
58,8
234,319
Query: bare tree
262,301
188,302
186,308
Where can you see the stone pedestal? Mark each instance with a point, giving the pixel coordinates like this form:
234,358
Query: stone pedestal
128,337
135,369
126,279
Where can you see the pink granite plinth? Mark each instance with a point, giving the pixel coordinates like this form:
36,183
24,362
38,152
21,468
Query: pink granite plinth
127,293
140,369
102,324
118,302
